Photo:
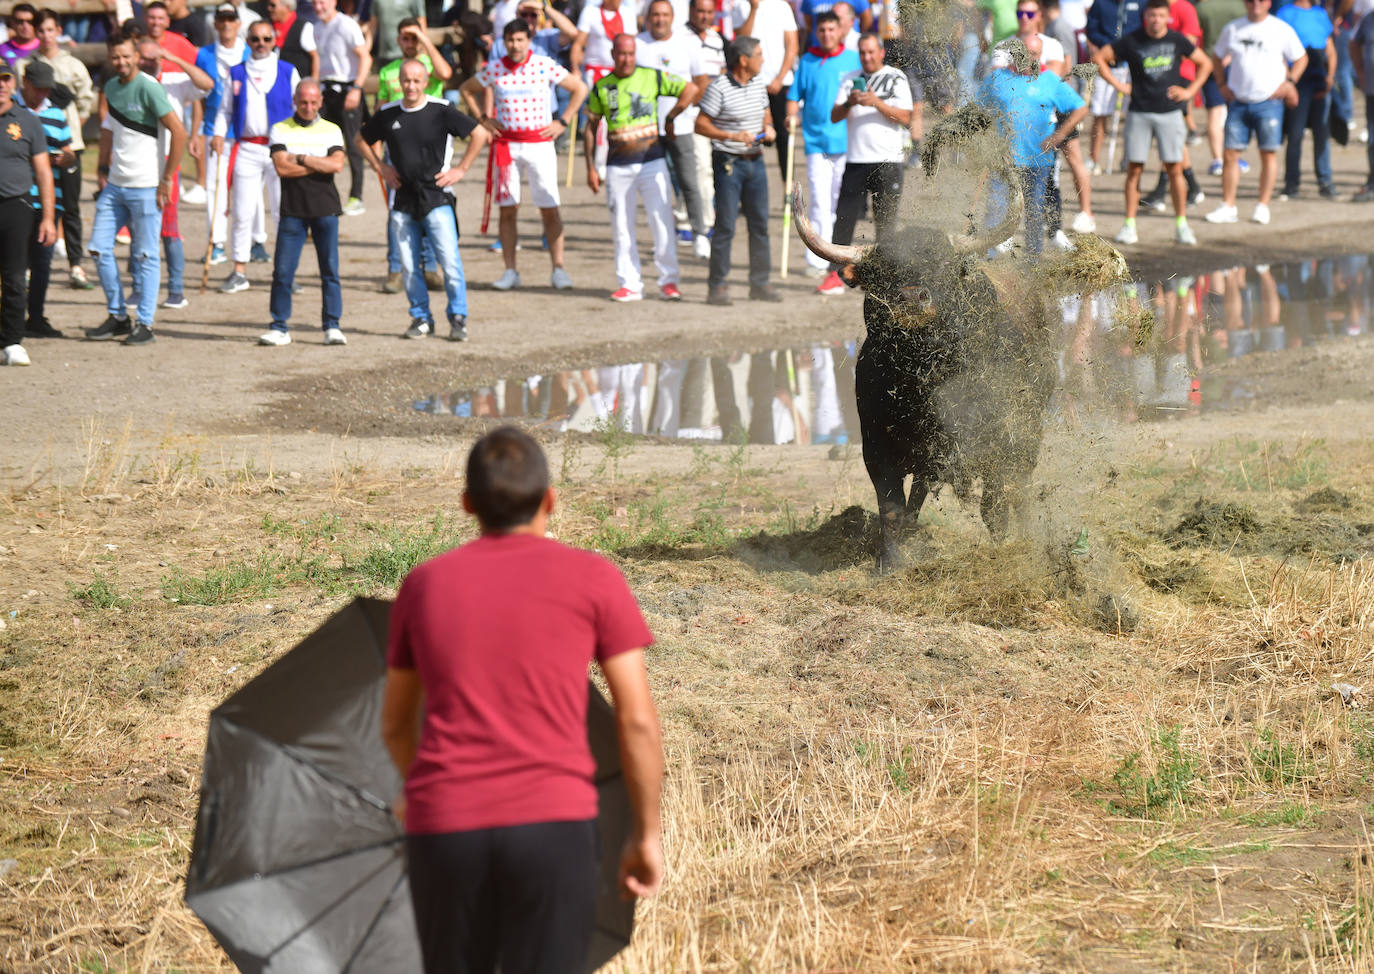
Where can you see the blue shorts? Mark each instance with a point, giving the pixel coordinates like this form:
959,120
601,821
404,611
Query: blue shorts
1211,94
1263,119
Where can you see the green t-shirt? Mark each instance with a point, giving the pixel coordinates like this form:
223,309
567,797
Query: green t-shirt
1003,18
135,108
1213,15
630,107
389,80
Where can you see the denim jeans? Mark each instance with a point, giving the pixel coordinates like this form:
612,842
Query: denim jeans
441,225
393,253
1369,124
740,184
174,252
1343,89
1034,179
137,209
291,232
1313,108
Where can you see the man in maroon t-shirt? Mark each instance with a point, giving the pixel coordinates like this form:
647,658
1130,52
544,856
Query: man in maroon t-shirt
490,645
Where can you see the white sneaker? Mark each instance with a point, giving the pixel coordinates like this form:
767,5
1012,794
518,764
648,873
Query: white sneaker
275,336
193,195
560,279
1184,234
14,355
1261,214
701,248
1127,234
1061,241
1223,214
508,280
59,250
333,336
354,207
1084,223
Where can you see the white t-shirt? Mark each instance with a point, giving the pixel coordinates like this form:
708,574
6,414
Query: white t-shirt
502,14
775,18
873,137
1260,54
589,22
678,54
1075,12
521,97
1050,49
712,50
336,41
181,90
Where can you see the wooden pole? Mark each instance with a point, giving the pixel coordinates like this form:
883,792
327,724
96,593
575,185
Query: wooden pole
572,153
787,193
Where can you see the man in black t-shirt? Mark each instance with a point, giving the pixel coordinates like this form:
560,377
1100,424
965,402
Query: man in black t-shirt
419,132
306,152
1154,54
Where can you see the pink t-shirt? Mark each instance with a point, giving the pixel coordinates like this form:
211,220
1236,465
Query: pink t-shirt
501,632
520,92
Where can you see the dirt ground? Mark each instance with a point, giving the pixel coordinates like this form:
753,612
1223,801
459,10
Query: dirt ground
1110,745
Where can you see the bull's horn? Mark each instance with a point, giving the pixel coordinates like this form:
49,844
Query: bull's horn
979,242
828,251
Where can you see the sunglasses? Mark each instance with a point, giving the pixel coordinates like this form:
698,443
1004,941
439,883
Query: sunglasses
260,40
530,15
1027,14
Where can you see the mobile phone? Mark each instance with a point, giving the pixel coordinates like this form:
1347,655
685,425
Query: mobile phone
759,137
860,84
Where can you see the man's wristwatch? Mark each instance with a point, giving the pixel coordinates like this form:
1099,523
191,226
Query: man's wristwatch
300,160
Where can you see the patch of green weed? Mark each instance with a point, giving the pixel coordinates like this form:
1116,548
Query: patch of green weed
1168,788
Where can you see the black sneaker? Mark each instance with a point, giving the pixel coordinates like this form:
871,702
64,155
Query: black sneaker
258,255
458,328
419,328
1155,201
113,327
1365,194
719,296
40,328
765,293
141,335
1327,192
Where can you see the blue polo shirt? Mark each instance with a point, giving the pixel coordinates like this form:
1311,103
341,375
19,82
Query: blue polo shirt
815,84
1312,24
1025,110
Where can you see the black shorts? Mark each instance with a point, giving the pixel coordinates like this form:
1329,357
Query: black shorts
1073,132
523,897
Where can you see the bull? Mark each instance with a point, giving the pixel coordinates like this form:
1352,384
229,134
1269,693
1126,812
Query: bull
955,371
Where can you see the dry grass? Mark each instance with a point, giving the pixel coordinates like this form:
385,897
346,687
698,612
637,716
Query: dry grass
954,769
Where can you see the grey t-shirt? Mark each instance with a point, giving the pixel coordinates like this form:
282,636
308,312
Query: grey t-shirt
21,138
734,107
389,14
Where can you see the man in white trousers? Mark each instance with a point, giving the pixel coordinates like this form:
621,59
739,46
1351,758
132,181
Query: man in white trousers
627,99
701,29
814,86
260,95
216,59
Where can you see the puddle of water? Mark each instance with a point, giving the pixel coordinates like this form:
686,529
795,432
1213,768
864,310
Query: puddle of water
1108,361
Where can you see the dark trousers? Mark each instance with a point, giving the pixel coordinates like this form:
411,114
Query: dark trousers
523,897
884,181
1369,124
16,217
1311,112
682,160
291,234
40,272
69,180
740,184
333,110
777,108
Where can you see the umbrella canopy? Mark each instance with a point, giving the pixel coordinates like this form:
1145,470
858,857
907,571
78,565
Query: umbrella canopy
297,863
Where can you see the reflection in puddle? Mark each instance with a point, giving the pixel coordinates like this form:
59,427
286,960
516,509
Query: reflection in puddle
1139,351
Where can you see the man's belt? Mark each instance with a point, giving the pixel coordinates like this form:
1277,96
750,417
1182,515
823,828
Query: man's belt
255,139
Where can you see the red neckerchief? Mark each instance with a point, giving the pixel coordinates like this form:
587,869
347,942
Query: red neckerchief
612,25
514,65
817,52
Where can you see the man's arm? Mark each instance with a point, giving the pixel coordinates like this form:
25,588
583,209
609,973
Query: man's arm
589,150
477,139
567,30
1104,57
403,708
1070,123
63,157
789,58
198,77
1296,69
442,69
1357,60
374,159
82,90
705,125
685,100
291,166
102,158
641,762
355,94
577,93
902,116
175,152
42,176
578,52
1330,61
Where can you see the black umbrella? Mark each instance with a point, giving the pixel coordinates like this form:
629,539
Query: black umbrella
297,864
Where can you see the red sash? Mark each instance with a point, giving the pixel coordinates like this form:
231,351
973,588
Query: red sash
499,161
612,25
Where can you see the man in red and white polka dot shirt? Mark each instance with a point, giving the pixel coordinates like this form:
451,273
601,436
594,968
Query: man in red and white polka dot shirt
517,100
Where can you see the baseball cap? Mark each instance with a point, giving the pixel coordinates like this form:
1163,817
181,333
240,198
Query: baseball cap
6,70
39,74
226,11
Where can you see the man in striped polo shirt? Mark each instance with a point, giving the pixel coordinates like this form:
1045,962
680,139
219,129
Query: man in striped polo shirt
735,117
135,184
307,151
23,161
38,81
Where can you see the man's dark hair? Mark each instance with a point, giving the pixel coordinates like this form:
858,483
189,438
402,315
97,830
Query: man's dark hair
827,16
507,478
741,47
1155,4
156,5
408,22
516,26
46,14
24,8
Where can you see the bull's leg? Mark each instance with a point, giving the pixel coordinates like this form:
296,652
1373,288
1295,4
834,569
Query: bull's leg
887,482
993,507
